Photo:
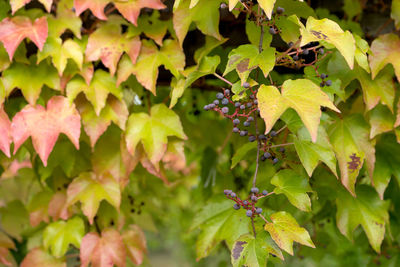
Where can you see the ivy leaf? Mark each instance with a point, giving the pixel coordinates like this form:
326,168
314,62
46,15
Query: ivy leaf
329,31
381,120
351,144
218,221
58,206
45,125
295,187
150,58
108,44
268,6
101,85
302,95
153,131
366,209
130,9
38,207
14,30
395,13
311,153
152,26
135,244
39,257
184,16
253,251
65,19
284,230
14,218
242,152
5,132
60,53
104,251
5,244
385,50
17,4
114,111
59,235
37,75
90,190
245,58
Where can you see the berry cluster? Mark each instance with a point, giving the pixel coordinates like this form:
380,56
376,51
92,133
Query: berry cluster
244,114
324,82
250,203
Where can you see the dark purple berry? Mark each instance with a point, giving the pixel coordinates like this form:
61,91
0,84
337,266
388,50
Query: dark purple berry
280,10
328,83
254,198
267,155
236,121
321,51
250,119
273,134
206,107
243,133
246,85
249,213
258,210
275,160
233,194
246,123
262,137
262,158
282,150
225,101
290,44
225,110
212,105
216,102
254,190
236,206
235,129
272,31
242,106
237,104
252,96
245,202
220,95
227,92
227,191
255,102
252,138
249,105
223,6
295,57
265,192
323,76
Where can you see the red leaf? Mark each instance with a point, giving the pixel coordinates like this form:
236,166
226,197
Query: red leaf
5,133
104,251
38,257
135,242
14,30
45,125
96,6
17,4
58,207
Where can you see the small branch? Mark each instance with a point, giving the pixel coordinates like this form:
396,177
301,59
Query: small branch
287,144
281,129
263,218
222,79
254,228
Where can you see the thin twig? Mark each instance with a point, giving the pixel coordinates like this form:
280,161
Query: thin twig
287,144
263,218
222,79
254,228
281,129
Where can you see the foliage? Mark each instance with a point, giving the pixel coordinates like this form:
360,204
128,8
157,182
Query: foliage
199,133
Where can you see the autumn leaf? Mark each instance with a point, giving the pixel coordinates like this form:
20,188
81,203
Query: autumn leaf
37,75
64,19
39,257
385,50
97,92
302,95
5,244
17,4
284,230
5,133
45,125
135,244
16,29
153,131
150,58
104,251
38,207
90,190
108,44
58,207
130,9
268,6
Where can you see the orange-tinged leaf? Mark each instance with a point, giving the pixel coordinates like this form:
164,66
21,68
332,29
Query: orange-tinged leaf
14,30
104,251
58,207
108,44
114,111
96,6
45,125
39,257
5,244
385,50
5,133
90,189
65,19
17,4
135,243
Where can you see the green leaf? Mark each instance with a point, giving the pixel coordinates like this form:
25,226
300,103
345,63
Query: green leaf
65,19
329,31
153,131
150,58
294,186
97,91
245,58
296,7
90,190
184,16
352,8
311,153
14,219
385,50
59,235
284,230
395,14
218,221
381,120
366,210
242,152
350,140
60,53
18,74
302,95
253,34
268,6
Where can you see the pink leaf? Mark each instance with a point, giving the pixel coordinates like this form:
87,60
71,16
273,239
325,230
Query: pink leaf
131,9
104,251
38,257
45,125
5,133
14,30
